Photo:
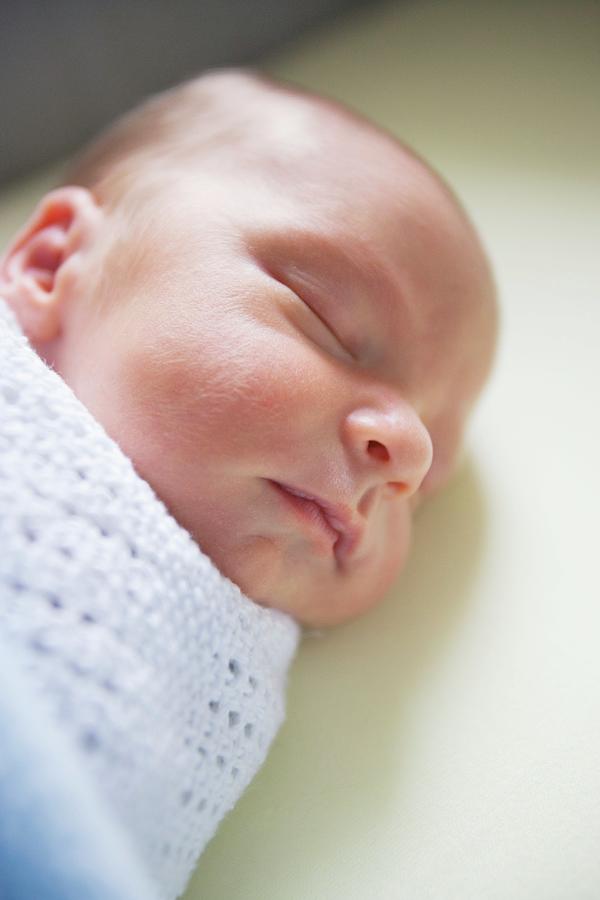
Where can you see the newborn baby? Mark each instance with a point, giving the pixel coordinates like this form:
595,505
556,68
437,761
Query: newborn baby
274,306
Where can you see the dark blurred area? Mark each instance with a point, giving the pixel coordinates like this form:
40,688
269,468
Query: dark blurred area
68,67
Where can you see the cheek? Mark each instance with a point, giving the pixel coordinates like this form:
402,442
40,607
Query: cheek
249,391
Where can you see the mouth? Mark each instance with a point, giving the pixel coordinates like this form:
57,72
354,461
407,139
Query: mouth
332,523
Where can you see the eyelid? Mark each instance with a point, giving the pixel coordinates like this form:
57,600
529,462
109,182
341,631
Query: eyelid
276,276
325,324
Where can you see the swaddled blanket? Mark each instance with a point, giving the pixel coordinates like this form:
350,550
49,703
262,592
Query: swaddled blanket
165,681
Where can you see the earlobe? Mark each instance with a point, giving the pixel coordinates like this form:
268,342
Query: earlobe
37,270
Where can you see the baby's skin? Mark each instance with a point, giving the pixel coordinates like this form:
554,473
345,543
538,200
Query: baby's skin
285,330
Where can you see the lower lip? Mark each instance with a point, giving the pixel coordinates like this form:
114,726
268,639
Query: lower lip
311,516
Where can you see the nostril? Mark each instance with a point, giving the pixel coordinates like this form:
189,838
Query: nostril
378,451
398,487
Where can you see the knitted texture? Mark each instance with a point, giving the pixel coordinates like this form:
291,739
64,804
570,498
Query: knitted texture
168,680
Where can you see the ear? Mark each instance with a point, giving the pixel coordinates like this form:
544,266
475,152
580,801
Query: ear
39,267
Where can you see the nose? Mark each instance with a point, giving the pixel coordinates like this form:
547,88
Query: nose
389,445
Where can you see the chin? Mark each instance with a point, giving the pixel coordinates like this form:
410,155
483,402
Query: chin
255,567
349,603
321,611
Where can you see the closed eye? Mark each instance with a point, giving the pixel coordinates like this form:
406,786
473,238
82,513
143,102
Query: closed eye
326,325
323,324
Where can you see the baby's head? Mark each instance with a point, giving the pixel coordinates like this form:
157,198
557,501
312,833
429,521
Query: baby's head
264,299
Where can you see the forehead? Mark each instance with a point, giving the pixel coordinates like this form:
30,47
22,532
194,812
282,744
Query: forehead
322,191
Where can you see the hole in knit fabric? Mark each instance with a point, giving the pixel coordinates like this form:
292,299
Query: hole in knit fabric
39,645
234,718
90,741
248,729
234,667
214,706
186,796
220,761
77,668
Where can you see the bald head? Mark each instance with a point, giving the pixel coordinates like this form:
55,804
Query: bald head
219,112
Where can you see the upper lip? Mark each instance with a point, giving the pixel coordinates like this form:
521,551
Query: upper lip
341,518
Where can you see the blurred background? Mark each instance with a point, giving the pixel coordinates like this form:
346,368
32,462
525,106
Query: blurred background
445,747
69,67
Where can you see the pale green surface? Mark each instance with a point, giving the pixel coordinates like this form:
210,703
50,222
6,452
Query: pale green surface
446,746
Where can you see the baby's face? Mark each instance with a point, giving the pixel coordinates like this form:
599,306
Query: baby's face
288,356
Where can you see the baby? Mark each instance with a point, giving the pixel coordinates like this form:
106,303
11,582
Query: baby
274,306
